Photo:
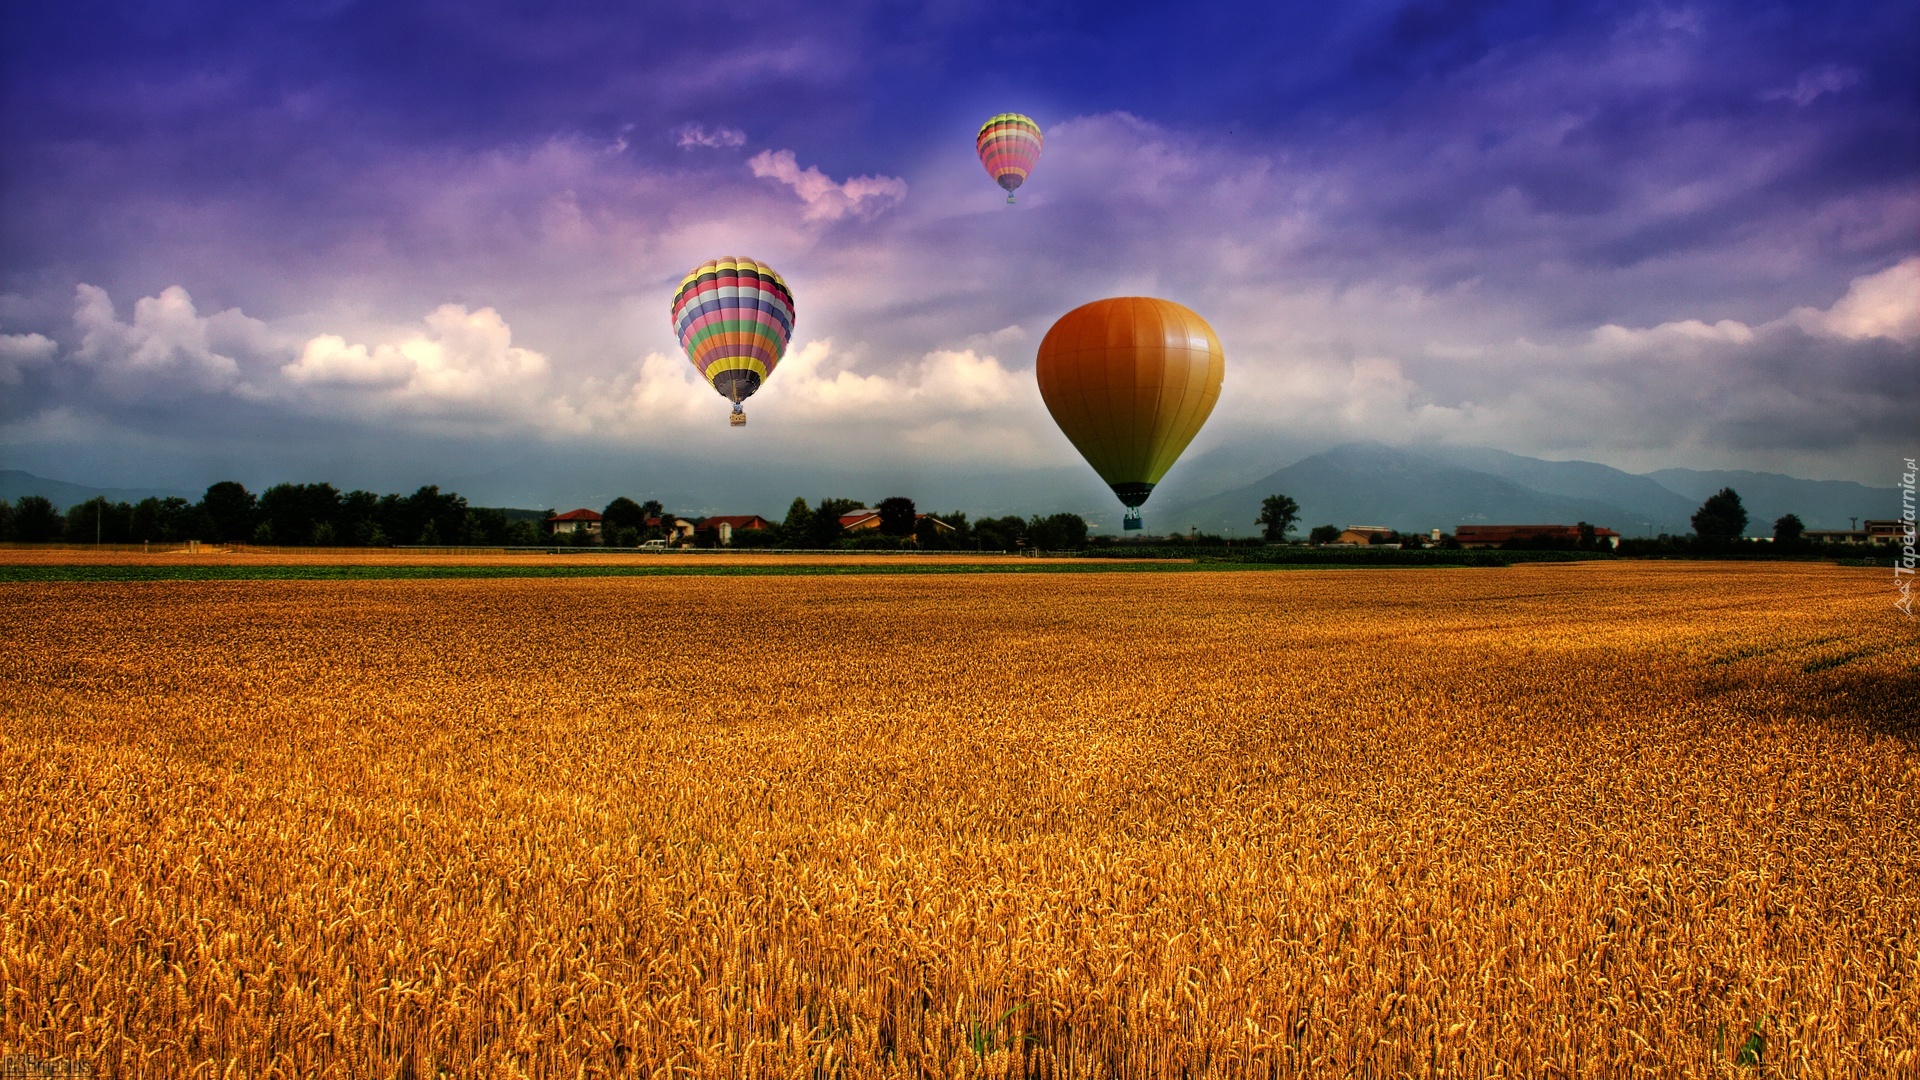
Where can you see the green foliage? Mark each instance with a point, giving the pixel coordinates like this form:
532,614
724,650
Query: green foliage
1000,534
230,511
1323,534
1721,517
623,513
1057,532
823,525
896,516
1787,529
1277,515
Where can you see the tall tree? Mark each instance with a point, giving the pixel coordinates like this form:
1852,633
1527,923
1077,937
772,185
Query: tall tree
824,529
230,510
1721,517
1277,515
1787,529
896,516
623,513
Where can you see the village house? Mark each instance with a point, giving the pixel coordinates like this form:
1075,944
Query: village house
868,519
719,529
1489,536
576,521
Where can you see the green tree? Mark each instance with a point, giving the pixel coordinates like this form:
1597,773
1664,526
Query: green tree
6,520
1721,517
896,516
1000,534
1787,529
1057,532
230,510
35,521
1277,515
623,513
824,527
1323,534
797,526
98,520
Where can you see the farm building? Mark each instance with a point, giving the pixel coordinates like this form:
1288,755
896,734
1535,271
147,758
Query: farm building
573,521
1486,536
869,519
720,528
1363,535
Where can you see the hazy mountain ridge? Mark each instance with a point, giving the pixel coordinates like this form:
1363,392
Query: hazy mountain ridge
1422,488
1407,488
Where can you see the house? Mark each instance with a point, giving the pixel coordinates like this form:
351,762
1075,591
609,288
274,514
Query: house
1487,536
1890,531
719,529
1362,535
869,519
678,529
576,521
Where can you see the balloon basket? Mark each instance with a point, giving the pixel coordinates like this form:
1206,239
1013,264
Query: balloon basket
736,418
1131,523
1009,200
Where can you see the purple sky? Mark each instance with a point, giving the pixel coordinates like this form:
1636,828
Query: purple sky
379,243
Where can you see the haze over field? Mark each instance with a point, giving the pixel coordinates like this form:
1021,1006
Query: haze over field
394,244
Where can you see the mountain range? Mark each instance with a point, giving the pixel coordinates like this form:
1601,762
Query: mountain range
1362,483
1422,488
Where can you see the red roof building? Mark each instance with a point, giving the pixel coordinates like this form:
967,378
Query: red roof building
582,520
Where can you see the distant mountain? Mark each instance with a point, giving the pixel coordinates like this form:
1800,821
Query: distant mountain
1648,507
1820,504
1423,488
1372,484
15,483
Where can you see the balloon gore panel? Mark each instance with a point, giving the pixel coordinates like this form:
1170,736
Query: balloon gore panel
734,317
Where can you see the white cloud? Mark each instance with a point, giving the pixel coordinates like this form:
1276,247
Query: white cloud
168,349
18,352
1886,304
694,135
861,196
1812,83
465,358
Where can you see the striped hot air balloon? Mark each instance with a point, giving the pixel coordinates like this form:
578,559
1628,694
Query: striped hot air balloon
1009,145
733,316
1130,381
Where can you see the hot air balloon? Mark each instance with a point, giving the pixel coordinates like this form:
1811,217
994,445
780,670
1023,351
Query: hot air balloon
1009,145
1130,381
733,316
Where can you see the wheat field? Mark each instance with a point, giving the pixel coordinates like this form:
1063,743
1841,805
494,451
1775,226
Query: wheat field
1573,820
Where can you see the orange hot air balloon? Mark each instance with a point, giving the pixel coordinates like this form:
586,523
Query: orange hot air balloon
1130,381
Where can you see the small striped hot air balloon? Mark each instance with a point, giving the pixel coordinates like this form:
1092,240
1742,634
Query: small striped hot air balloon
1009,145
1130,381
734,317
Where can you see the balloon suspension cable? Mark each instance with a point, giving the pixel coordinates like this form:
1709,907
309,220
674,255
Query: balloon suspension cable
1132,521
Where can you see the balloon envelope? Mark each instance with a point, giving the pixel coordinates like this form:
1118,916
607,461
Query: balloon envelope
1009,145
733,316
1130,381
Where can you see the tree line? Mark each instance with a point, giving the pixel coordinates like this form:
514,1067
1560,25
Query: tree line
320,515
289,514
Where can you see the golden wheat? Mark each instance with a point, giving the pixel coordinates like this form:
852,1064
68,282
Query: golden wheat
1572,820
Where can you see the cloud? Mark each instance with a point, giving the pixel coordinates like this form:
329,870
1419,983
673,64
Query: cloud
1886,305
462,358
1812,83
692,136
18,352
860,196
169,349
